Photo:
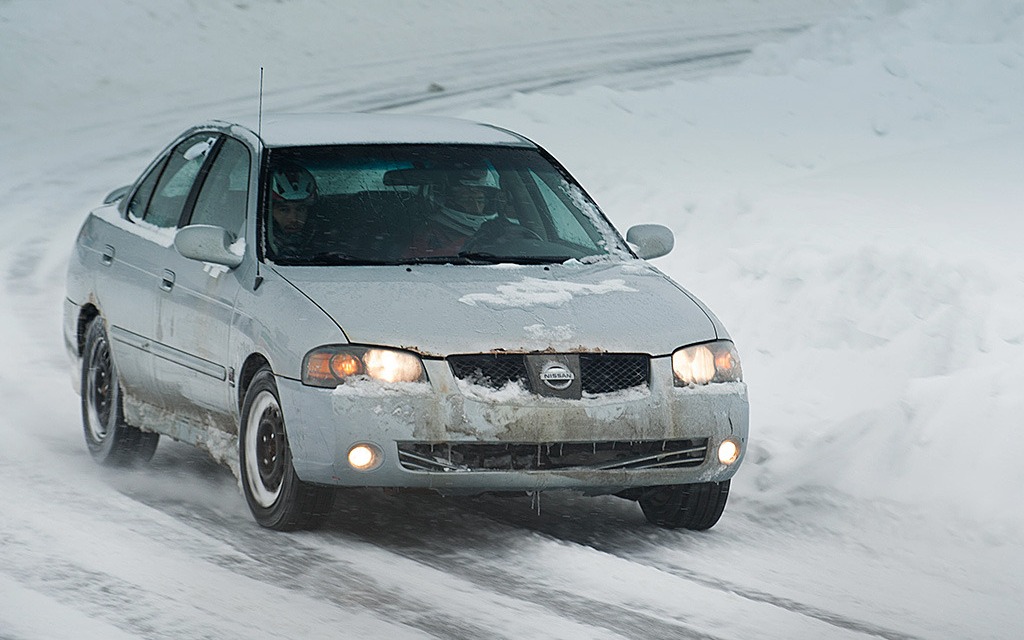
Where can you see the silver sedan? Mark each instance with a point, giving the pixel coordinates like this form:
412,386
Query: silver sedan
403,302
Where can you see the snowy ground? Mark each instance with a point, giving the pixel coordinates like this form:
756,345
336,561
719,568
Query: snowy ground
847,200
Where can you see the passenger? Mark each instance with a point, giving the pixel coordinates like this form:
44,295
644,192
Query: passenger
293,192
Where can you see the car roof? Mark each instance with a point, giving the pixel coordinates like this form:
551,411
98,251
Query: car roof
287,130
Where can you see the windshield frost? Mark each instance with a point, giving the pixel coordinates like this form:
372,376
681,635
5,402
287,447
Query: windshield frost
399,204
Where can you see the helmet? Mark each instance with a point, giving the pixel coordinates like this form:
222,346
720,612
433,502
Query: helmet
463,196
292,183
468,190
477,176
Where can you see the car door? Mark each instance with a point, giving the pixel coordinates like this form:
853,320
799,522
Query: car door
197,301
129,291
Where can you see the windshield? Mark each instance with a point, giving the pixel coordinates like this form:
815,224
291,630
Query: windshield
401,204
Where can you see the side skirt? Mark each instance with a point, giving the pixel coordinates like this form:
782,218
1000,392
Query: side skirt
206,435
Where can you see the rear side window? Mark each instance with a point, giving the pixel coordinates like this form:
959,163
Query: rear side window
140,199
175,181
225,192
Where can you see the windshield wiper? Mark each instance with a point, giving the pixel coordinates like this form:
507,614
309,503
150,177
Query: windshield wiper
332,258
459,259
493,258
484,258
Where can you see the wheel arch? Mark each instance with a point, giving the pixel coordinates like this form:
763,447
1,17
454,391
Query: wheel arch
86,315
253,363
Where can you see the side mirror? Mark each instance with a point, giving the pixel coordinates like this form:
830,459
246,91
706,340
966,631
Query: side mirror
651,240
117,194
207,243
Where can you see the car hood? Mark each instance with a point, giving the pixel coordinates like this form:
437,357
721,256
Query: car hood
438,310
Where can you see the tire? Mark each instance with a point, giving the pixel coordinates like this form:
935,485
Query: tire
277,498
110,439
685,506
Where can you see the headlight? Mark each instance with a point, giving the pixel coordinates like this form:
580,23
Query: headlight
331,366
704,363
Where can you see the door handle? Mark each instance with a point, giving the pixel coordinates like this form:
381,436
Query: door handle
107,256
168,281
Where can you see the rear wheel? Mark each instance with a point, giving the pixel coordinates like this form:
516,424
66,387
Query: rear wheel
277,498
685,506
110,439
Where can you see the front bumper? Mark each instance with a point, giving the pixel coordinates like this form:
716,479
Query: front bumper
323,424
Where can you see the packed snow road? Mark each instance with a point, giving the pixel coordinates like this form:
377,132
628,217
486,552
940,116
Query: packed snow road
171,551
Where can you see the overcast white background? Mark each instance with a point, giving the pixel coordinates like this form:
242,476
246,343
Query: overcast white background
847,198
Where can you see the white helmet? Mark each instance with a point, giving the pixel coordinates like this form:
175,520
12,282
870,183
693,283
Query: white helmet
478,176
292,183
464,196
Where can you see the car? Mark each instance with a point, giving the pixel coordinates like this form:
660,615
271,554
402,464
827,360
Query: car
402,302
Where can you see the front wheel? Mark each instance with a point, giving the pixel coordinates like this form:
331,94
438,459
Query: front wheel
110,439
277,498
685,506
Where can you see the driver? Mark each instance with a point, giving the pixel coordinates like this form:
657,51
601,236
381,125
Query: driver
462,204
293,193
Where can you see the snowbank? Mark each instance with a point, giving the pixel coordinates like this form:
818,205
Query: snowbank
848,203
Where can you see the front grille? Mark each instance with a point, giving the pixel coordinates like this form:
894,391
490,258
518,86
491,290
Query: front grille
594,456
608,372
598,372
493,370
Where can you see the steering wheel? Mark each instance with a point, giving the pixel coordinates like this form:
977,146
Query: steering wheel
498,230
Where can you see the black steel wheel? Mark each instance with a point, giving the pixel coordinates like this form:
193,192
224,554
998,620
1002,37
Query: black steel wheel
277,498
110,439
685,506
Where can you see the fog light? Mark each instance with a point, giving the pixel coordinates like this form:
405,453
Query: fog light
364,457
728,451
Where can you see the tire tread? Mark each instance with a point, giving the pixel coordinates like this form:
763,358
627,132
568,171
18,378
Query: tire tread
686,506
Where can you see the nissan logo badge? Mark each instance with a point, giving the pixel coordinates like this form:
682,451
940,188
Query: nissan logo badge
557,376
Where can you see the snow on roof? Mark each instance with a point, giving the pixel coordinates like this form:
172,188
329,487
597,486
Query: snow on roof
281,130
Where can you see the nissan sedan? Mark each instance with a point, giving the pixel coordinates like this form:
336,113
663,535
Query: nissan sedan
400,302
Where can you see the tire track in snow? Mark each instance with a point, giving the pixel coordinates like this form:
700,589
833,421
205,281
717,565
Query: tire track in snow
470,539
137,568
471,78
359,574
618,541
795,606
323,559
611,539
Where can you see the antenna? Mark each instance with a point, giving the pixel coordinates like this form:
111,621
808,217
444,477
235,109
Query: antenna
259,117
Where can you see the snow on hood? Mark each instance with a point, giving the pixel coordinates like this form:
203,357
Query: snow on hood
446,309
